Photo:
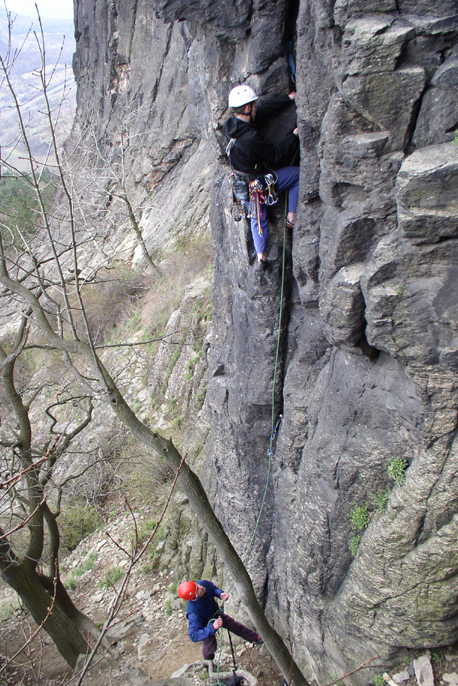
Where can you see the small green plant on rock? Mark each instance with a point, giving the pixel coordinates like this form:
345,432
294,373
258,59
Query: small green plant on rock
396,469
379,680
190,367
77,572
173,362
381,499
150,564
354,543
112,575
360,519
436,657
145,529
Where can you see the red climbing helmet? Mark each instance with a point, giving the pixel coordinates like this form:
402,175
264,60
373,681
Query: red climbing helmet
187,590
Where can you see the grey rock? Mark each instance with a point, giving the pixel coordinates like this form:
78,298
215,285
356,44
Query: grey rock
109,665
144,646
137,677
398,319
372,45
438,115
424,7
424,671
345,10
123,629
427,191
346,239
376,97
342,307
450,678
401,677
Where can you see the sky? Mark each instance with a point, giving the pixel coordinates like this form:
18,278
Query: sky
52,9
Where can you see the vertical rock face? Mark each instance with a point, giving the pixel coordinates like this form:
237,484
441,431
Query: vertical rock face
367,361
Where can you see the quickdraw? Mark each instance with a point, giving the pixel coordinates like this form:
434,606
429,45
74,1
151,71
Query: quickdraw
257,191
272,197
257,198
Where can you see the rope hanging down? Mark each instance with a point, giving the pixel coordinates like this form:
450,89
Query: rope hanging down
274,424
274,428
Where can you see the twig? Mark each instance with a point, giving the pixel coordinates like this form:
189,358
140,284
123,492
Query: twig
37,631
358,669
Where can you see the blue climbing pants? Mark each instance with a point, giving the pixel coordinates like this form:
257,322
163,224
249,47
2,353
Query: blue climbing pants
288,180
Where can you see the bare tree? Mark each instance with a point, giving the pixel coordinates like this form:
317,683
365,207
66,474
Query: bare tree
107,173
47,288
31,469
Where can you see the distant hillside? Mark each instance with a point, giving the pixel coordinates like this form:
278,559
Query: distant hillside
60,45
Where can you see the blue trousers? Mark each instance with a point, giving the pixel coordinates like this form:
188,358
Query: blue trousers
288,180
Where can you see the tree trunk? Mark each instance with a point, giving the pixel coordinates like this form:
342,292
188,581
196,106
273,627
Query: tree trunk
57,623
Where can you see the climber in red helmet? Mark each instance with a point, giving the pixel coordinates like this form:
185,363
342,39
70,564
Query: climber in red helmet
205,617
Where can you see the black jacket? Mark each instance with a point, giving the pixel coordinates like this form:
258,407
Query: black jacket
251,152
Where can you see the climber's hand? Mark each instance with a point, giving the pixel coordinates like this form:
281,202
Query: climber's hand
218,623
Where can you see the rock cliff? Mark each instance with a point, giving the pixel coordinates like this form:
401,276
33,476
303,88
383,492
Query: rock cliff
368,343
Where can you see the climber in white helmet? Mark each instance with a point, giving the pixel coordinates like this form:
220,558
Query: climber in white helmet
253,157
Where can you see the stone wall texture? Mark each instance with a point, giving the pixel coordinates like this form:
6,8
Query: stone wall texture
368,340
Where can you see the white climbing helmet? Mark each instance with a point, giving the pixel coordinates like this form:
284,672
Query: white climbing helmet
241,95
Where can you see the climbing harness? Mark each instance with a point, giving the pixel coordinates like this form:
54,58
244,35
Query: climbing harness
258,191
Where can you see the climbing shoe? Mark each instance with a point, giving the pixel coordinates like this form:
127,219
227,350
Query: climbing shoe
262,264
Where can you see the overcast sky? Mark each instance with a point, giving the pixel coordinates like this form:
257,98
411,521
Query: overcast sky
58,9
